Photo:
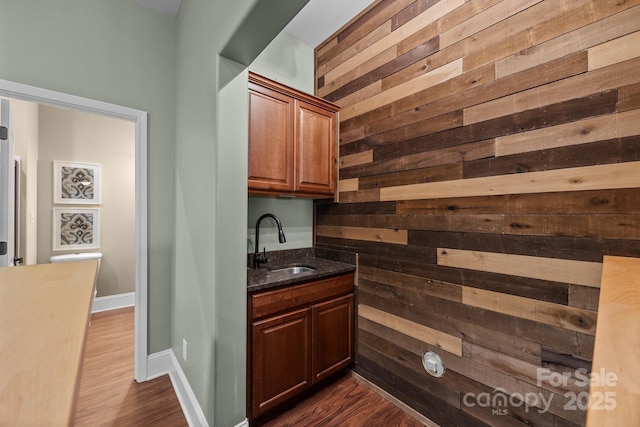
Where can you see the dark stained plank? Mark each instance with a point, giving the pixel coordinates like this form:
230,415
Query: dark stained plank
438,173
596,153
551,115
402,61
579,202
411,11
579,249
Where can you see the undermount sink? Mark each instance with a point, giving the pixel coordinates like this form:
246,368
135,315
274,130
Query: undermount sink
294,269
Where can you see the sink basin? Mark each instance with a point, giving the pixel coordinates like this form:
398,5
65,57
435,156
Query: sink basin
294,269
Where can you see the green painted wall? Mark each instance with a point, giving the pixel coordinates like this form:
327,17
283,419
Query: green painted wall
209,293
118,52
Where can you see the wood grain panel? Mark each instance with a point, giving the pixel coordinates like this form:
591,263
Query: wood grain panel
334,90
420,284
483,20
618,50
362,26
441,173
356,159
629,97
408,111
522,370
616,226
622,74
424,81
447,22
551,336
540,177
481,92
360,233
360,196
445,156
389,67
417,129
436,338
571,318
439,9
581,132
359,46
470,223
581,39
550,115
550,246
347,185
601,152
622,175
559,270
488,46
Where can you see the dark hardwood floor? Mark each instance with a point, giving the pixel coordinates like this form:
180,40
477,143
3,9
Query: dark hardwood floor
348,402
109,396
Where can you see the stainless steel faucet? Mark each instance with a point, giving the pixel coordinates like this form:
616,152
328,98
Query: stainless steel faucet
262,259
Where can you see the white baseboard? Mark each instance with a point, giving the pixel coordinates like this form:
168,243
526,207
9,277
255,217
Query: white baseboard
245,423
165,362
113,302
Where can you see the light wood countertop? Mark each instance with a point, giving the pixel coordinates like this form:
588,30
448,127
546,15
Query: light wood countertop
615,383
44,316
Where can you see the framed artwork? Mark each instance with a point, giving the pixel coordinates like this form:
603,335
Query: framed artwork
76,229
76,183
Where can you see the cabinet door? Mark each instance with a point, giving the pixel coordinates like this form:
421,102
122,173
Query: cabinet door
270,140
332,336
281,358
315,149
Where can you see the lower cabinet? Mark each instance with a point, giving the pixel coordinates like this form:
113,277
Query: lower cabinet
298,336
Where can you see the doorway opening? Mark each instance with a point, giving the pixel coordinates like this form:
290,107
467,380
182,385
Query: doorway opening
139,118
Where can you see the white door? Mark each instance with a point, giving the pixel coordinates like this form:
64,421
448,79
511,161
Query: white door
7,187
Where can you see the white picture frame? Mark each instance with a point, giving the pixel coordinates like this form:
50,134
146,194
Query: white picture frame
76,183
76,229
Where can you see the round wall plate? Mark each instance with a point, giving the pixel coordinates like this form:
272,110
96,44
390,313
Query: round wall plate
433,364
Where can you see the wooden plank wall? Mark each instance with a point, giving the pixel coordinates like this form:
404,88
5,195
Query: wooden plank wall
489,158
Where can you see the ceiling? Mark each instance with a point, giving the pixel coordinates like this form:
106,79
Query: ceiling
314,24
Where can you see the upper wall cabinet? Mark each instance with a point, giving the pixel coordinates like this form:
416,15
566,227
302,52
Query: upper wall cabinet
292,138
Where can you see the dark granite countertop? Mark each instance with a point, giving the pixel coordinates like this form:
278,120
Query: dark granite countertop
326,263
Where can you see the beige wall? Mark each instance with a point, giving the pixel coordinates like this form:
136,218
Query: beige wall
80,137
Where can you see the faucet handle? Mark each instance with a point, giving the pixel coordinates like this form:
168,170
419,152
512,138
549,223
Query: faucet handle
261,259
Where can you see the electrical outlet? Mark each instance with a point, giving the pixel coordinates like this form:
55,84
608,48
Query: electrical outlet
184,349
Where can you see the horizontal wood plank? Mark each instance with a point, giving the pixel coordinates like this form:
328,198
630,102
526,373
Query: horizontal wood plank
622,74
559,270
425,81
347,185
436,338
580,132
571,318
622,175
618,50
361,233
